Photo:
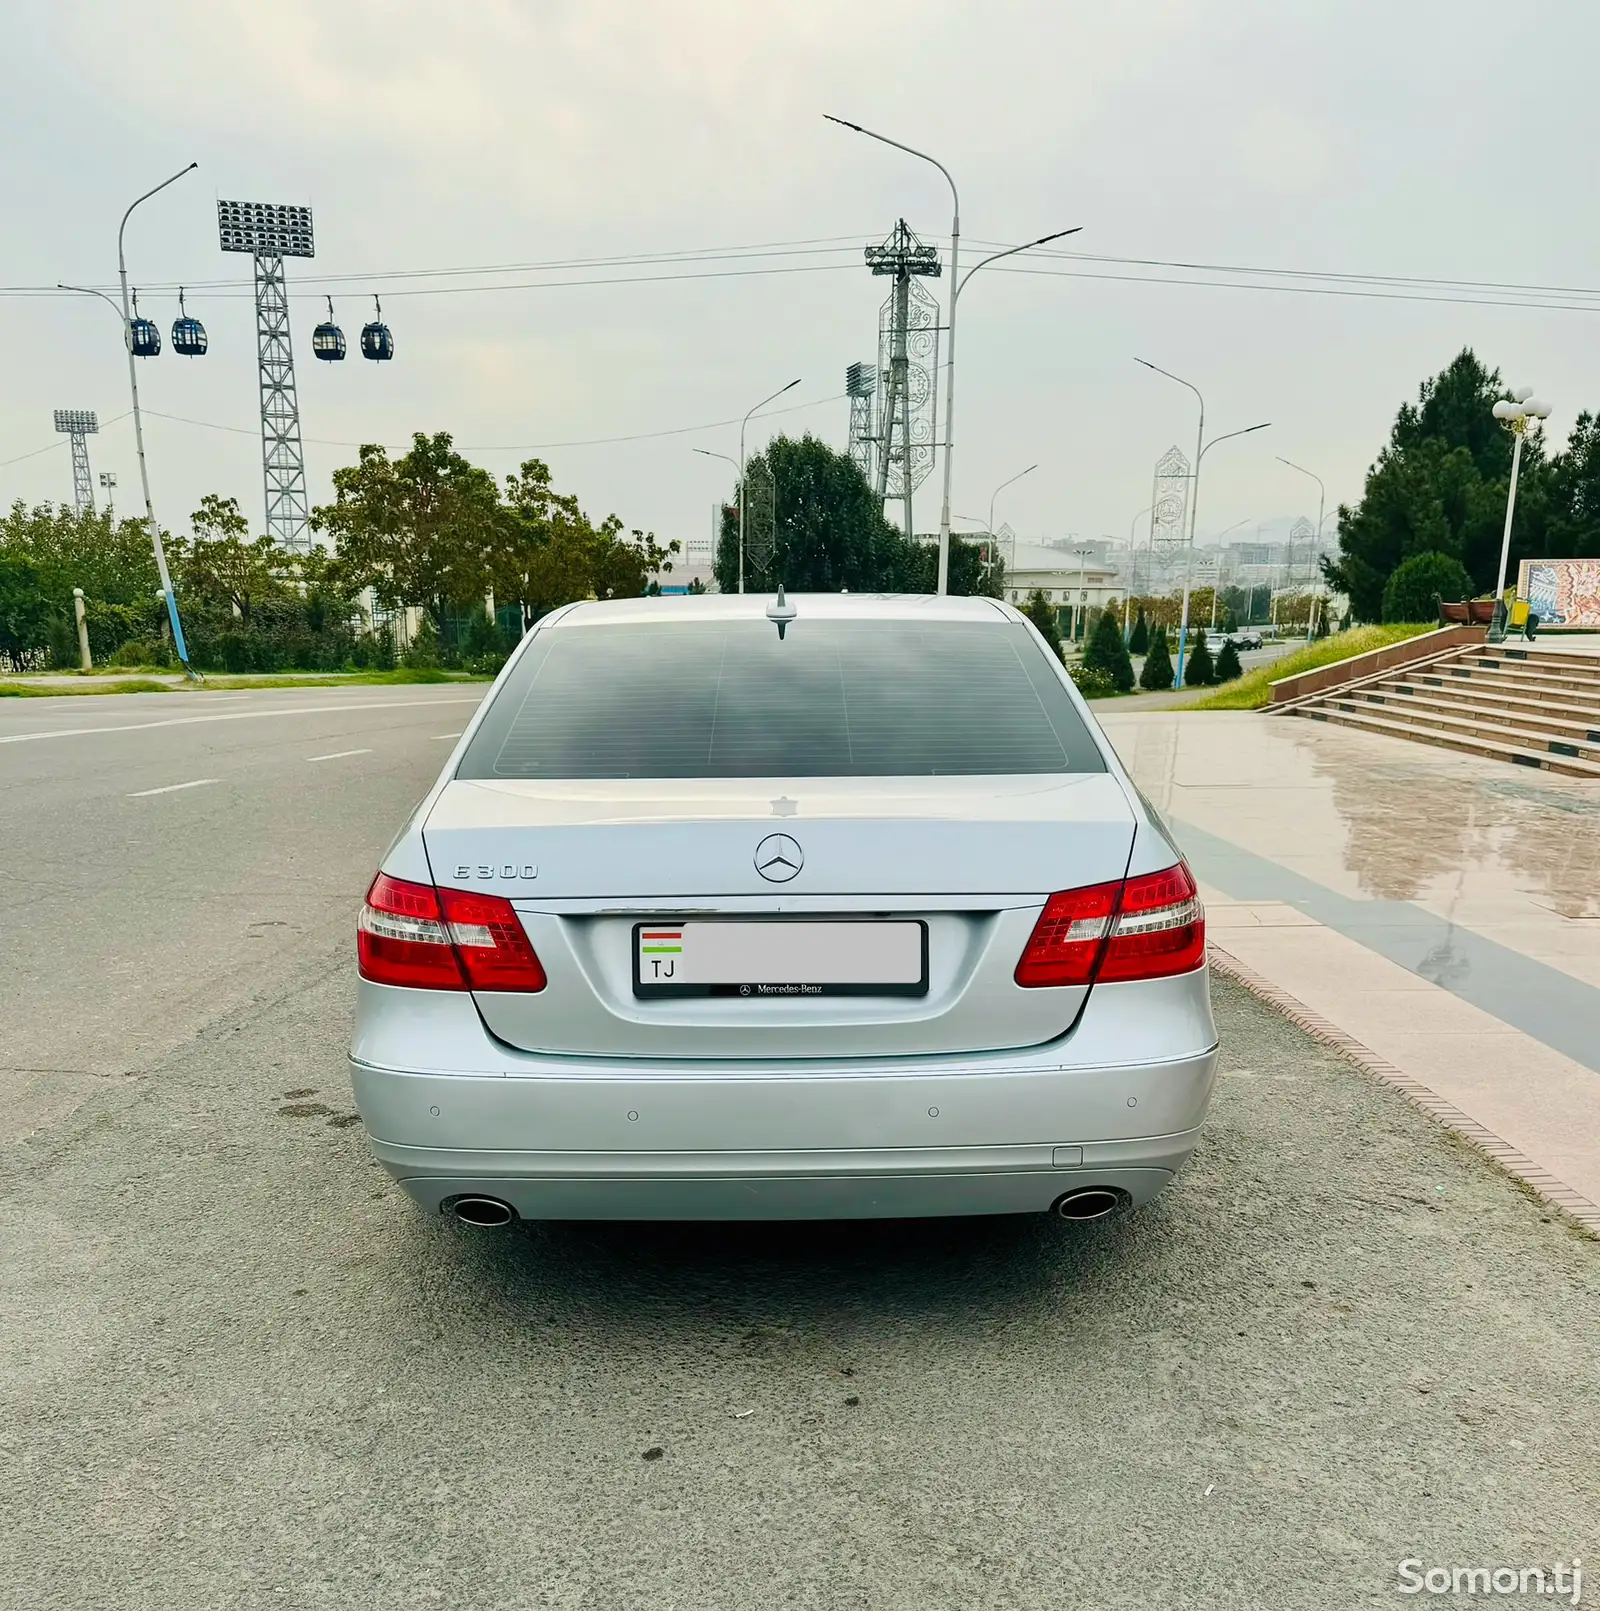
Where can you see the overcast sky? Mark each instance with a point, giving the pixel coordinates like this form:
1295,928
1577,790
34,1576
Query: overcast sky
1442,140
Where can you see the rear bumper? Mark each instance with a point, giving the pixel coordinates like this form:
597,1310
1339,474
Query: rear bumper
577,1138
633,1188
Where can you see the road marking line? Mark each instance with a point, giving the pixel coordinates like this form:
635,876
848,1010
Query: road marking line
232,716
446,735
172,788
338,755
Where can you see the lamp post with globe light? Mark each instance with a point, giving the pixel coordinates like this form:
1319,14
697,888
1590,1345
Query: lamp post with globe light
1515,413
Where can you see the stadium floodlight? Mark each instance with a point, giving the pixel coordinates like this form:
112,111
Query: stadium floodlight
265,228
270,232
77,422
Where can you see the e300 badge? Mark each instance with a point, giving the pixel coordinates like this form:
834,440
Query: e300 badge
506,870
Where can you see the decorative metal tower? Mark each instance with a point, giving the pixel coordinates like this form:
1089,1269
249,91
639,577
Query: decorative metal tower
1169,509
269,233
859,383
908,360
1302,531
79,424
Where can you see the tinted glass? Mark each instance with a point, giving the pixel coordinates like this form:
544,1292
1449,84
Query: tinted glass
727,699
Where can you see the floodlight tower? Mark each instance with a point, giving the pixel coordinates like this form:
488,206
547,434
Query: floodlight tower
901,467
270,232
79,424
859,384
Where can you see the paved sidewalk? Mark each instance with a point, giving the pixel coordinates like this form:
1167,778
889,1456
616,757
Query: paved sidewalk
1441,911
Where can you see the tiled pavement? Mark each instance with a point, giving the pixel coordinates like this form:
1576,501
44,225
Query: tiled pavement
1437,915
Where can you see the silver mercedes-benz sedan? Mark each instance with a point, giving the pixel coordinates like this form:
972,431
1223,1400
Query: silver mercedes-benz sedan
742,908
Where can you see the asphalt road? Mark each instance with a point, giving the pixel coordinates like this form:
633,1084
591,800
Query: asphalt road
239,1371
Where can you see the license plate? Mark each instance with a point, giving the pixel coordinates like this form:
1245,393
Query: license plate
780,960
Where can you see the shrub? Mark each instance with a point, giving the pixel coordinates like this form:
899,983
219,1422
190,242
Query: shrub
1228,666
1409,594
1042,613
1107,653
1198,671
140,652
422,653
1157,671
1139,638
1092,682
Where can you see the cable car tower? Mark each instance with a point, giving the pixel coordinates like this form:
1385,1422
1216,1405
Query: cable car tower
908,359
79,424
270,232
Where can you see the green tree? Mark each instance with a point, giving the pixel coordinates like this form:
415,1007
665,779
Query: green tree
420,529
1228,666
1412,592
1198,671
1157,672
222,564
110,560
548,552
1573,531
25,613
829,530
1108,653
1439,485
1042,613
1139,638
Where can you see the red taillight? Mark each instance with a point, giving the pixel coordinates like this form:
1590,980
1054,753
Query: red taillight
1160,930
401,938
1067,940
490,941
445,939
1147,927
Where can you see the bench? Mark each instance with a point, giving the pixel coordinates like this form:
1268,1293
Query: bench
1469,612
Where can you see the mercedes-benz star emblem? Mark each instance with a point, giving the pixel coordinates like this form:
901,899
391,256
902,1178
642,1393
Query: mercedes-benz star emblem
779,858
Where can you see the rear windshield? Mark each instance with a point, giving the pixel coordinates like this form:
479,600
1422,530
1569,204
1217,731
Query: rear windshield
728,699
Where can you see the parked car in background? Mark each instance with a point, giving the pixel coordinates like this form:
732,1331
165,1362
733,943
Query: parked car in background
1246,638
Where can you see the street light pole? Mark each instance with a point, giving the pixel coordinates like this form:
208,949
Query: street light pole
1514,413
1078,603
955,293
1202,447
1133,572
726,458
1002,487
138,419
742,500
1322,501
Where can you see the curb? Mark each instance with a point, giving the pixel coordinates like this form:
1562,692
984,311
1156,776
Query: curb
1537,1179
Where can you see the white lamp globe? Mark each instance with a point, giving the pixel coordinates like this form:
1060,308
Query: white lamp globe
1539,409
1522,394
1504,410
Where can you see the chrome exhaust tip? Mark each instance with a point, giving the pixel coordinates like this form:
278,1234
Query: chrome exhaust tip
1092,1202
482,1211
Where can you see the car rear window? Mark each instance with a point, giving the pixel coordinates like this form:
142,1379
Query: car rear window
727,699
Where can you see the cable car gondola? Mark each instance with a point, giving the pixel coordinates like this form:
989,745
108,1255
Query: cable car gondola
144,336
376,341
327,340
188,335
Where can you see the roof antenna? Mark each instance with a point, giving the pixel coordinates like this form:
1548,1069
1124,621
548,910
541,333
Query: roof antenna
781,613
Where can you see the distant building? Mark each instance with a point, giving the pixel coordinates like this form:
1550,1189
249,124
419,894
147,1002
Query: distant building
1067,580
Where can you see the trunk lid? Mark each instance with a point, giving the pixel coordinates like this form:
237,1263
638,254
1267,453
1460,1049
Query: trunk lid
972,857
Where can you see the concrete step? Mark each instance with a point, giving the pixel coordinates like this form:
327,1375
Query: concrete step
1490,726
1573,680
1454,674
1566,659
1568,766
1486,696
1581,730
